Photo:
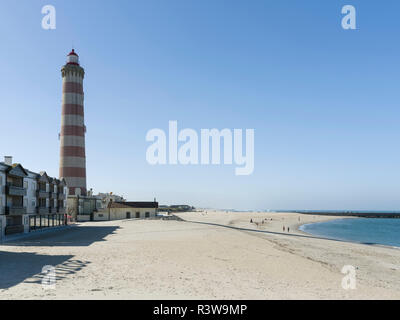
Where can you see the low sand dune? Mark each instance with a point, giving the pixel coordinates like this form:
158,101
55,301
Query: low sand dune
210,255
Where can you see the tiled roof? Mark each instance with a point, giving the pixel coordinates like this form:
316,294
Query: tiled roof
38,175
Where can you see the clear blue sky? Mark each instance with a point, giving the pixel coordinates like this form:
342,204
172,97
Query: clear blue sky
324,102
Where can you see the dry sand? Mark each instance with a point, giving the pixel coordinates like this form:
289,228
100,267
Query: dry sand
213,255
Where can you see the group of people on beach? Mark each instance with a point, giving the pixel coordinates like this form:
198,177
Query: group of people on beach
262,222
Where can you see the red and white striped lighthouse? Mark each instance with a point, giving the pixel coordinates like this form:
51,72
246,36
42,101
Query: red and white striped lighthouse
72,136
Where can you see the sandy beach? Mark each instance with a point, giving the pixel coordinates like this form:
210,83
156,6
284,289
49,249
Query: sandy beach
209,255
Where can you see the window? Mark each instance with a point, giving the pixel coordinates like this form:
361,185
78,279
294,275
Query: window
42,202
25,184
1,180
147,214
33,203
137,215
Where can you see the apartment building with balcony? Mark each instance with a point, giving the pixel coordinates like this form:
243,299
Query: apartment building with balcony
29,201
51,195
12,198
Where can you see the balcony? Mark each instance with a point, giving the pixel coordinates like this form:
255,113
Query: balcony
42,194
53,195
15,210
61,196
42,210
53,210
12,190
61,210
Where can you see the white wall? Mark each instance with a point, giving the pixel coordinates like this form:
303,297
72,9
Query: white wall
120,213
2,226
2,194
101,215
82,218
25,221
31,194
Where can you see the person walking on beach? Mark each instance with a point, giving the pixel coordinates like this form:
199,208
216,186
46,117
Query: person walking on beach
288,229
283,228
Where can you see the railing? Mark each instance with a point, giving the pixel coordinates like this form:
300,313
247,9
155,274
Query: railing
42,194
13,190
15,184
15,210
42,210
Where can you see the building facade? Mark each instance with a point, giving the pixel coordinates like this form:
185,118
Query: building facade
129,210
91,207
73,129
29,200
103,199
81,208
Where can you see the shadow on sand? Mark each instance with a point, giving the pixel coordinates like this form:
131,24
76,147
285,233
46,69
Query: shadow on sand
17,267
71,237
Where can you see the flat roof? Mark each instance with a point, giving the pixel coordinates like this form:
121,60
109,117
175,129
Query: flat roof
133,204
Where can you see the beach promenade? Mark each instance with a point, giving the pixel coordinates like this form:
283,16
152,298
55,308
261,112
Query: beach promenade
209,255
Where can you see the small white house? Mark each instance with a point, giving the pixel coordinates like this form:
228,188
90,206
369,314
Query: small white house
128,210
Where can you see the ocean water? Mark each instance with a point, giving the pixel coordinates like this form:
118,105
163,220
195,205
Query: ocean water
363,230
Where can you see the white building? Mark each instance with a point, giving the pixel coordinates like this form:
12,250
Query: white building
103,199
28,200
128,210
